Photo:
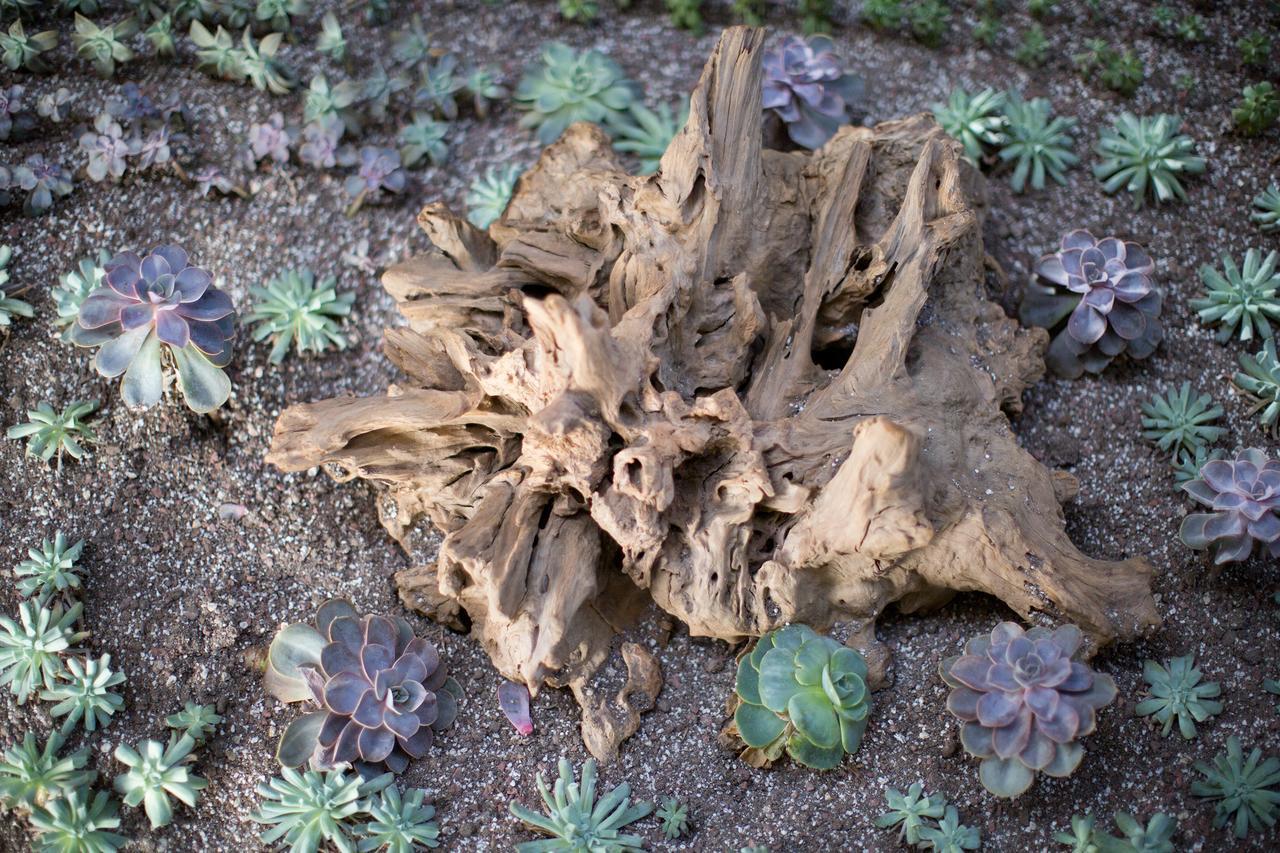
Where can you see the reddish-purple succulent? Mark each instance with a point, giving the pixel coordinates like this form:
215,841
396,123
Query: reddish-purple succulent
1024,703
1244,494
807,86
1112,305
381,692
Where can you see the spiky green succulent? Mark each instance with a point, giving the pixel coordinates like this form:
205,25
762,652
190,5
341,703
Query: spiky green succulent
1259,378
575,822
295,310
216,52
1257,109
1178,695
803,693
32,645
483,85
50,569
1036,142
1241,297
423,137
331,42
566,86
950,835
51,433
323,102
1083,837
1177,421
10,306
1155,837
156,773
19,50
1147,153
279,14
105,47
911,812
303,810
1186,466
975,120
1243,790
1266,209
194,720
398,824
263,67
160,35
1033,50
675,818
76,824
489,194
31,775
1255,48
83,694
646,133
75,286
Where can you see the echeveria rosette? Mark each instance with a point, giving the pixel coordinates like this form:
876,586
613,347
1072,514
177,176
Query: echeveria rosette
158,304
806,85
1244,496
1111,305
804,693
1024,703
381,692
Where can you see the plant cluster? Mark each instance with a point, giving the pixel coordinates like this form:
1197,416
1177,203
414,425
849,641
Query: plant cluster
1025,703
255,61
1112,305
380,693
927,822
1146,153
808,89
134,132
566,86
1245,791
803,693
576,821
1241,297
1155,837
1243,496
1257,110
1177,695
159,314
294,310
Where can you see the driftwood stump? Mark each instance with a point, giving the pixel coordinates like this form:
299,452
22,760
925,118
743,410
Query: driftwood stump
757,387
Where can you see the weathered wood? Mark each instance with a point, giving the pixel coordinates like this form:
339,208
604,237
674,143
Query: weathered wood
756,387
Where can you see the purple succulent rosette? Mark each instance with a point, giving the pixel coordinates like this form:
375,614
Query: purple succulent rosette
153,305
1024,703
1111,304
1244,494
381,693
806,85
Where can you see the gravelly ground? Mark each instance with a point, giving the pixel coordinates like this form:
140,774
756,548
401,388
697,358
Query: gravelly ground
185,601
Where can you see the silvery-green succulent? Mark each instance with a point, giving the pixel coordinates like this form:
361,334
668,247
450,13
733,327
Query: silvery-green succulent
50,569
32,775
911,812
1245,791
10,306
74,288
1259,379
803,693
331,41
83,694
1243,297
194,720
576,822
646,133
156,773
1266,209
423,137
76,824
304,810
295,310
1177,421
105,46
31,646
975,120
397,824
19,50
675,818
490,193
1178,695
1036,142
1146,153
566,86
51,433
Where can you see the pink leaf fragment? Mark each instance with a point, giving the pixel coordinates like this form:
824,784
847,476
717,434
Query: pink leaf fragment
513,699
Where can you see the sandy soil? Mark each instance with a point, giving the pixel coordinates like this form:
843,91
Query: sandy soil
185,601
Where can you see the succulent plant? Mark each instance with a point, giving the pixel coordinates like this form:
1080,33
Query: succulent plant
42,181
439,88
482,82
53,105
423,137
1257,109
411,46
576,822
50,569
685,14
295,310
675,818
1122,72
883,14
1266,209
107,149
1037,143
1186,465
194,721
1024,703
104,46
377,90
929,20
807,87
1177,695
31,775
210,177
1177,421
1113,306
750,12
381,693
15,117
803,692
398,824
1241,297
83,695
1244,496
50,433
216,52
1243,789
75,824
566,86
156,308
1255,48
324,102
19,50
331,42
305,809
1148,152
1260,381
278,14
578,10
10,306
489,194
1082,838
270,140
156,773
319,148
31,647
974,120
1033,50
377,170
1190,27
950,835
911,812
160,35
261,66
1155,837
646,133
